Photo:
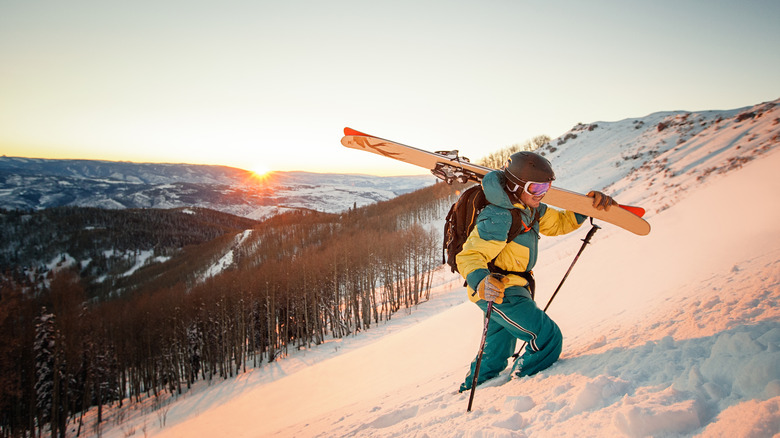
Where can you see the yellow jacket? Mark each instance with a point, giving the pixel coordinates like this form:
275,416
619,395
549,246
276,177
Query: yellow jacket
487,240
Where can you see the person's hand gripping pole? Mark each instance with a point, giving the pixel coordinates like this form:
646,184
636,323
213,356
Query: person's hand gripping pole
491,288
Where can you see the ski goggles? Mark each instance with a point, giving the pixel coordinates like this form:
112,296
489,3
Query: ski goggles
530,187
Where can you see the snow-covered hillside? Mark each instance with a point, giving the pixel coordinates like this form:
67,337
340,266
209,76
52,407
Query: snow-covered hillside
650,160
673,334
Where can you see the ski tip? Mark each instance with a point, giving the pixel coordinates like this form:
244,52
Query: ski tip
350,131
639,211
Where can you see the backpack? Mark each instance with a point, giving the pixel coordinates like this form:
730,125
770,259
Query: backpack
462,218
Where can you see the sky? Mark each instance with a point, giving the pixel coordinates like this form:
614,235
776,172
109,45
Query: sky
265,85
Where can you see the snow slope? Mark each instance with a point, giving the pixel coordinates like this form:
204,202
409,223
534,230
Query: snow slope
672,334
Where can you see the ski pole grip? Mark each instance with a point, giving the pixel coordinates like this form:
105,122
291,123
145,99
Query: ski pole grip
591,232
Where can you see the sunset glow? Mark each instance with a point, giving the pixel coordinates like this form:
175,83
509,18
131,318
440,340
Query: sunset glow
260,171
259,176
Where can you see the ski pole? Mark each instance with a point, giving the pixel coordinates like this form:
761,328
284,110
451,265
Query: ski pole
479,354
585,241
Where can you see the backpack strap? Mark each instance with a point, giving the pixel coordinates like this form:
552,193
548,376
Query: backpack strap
518,227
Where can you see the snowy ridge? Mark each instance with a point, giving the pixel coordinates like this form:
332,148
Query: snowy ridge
672,334
644,161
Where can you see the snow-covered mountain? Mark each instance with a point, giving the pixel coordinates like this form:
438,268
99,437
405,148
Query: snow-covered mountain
652,159
27,183
672,334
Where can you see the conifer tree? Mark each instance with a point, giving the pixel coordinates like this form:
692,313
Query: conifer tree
47,370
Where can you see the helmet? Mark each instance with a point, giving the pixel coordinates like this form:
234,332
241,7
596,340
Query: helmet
527,166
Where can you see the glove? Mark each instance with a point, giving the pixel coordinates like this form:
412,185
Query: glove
601,201
491,288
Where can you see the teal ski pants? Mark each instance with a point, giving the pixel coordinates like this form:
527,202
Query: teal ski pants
517,317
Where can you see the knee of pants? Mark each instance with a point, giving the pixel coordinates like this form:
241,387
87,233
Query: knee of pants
554,339
527,322
548,350
558,342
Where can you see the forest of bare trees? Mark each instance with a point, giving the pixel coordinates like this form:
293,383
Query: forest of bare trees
297,280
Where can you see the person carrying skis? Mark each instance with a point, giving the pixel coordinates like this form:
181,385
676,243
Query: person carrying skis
500,272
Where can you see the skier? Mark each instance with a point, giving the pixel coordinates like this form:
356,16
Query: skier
499,271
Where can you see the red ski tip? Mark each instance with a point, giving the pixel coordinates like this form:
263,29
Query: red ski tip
639,211
350,131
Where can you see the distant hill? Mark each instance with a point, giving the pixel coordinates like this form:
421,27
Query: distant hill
108,247
35,184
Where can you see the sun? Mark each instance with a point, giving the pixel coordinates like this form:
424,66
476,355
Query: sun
260,174
260,171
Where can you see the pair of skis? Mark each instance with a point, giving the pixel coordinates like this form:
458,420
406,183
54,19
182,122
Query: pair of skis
450,167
